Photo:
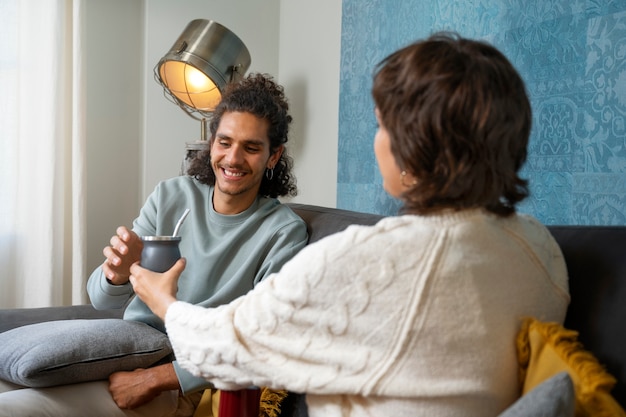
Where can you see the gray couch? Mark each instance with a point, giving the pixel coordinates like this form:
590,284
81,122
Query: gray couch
595,256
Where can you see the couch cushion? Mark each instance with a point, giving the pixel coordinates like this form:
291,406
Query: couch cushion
324,221
88,399
70,351
546,349
16,317
552,398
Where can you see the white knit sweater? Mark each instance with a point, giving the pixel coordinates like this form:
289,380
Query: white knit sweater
415,316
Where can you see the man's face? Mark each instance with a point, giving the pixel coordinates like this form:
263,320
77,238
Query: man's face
240,154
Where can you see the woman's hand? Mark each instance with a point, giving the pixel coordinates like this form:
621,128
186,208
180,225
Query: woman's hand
157,290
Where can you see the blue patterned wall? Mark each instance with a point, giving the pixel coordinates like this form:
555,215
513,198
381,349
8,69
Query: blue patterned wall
572,55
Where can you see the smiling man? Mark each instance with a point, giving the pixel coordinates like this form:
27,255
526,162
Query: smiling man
239,160
236,234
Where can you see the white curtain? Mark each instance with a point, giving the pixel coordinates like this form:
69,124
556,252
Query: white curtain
42,154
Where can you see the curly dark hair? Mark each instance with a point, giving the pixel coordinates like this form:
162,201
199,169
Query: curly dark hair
459,120
261,96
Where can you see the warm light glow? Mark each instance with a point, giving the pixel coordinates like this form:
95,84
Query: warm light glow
197,81
190,85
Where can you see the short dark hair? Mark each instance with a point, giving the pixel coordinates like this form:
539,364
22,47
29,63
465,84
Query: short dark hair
261,96
459,120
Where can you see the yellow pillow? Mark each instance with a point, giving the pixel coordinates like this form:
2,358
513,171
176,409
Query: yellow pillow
271,401
545,349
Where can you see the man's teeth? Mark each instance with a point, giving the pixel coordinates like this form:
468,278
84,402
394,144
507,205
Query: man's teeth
233,174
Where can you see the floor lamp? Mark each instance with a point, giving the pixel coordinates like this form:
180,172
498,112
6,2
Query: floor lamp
193,73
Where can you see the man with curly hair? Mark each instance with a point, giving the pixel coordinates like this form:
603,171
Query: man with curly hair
236,234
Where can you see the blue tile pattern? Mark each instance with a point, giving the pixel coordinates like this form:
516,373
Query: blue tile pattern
572,56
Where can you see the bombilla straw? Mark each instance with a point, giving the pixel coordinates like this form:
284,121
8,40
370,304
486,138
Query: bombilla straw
180,221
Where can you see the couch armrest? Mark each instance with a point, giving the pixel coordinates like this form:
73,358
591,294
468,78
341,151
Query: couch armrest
11,318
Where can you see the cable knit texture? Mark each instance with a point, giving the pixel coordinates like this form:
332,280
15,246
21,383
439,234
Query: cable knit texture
414,316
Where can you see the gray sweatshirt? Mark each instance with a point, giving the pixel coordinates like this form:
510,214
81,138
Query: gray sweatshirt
226,254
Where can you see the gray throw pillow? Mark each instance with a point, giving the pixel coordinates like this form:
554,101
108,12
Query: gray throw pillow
555,397
70,351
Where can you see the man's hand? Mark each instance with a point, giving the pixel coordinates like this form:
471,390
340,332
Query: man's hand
125,250
133,389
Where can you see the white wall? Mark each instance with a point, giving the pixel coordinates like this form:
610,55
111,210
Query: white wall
310,43
114,84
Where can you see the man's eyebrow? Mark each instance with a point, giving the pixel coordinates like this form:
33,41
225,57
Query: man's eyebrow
222,136
259,142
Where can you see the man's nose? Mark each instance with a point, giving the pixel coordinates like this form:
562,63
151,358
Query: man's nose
234,154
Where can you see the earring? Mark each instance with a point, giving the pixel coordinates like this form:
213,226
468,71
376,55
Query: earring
269,173
402,175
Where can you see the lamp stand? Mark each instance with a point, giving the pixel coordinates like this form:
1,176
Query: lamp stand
192,148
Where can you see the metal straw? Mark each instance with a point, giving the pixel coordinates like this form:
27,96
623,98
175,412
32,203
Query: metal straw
180,221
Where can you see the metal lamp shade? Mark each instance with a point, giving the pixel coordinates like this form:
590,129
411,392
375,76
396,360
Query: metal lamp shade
205,58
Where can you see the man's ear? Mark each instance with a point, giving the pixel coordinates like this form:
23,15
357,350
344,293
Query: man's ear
274,157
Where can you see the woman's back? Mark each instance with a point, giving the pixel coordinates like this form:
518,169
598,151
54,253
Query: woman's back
422,312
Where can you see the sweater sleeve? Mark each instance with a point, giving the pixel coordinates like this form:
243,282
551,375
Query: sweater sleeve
279,335
282,246
104,295
288,241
